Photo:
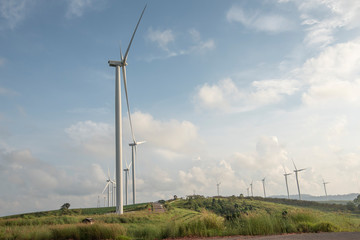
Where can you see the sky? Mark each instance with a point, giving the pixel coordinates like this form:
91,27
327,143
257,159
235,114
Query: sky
222,91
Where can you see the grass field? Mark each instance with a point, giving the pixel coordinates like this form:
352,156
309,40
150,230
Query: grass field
192,217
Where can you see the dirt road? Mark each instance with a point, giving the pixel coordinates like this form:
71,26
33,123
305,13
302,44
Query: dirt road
307,236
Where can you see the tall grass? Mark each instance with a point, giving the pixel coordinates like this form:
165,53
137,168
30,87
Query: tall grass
237,217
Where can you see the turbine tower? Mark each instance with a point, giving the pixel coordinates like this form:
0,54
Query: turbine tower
248,192
297,179
325,188
263,182
286,182
218,187
251,187
118,123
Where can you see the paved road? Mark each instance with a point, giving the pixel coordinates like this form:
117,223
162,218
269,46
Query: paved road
307,236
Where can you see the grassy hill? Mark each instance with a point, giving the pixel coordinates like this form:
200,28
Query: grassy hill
195,216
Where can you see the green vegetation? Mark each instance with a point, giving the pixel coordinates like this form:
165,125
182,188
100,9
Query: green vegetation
195,216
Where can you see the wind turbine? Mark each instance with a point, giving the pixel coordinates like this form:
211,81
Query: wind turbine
126,172
251,187
263,182
108,180
133,146
118,124
297,179
325,187
287,187
218,188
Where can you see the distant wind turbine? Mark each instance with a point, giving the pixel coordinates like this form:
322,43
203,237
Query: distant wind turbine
108,180
286,182
297,179
325,188
218,188
263,182
118,123
251,187
126,172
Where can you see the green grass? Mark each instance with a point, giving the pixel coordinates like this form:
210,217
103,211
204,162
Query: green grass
200,217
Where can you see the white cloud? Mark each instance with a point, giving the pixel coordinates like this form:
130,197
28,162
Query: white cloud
166,41
171,136
161,38
35,183
333,76
324,18
226,96
93,138
2,61
12,12
76,8
7,92
272,23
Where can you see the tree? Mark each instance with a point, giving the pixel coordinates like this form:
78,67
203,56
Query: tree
357,200
65,206
350,206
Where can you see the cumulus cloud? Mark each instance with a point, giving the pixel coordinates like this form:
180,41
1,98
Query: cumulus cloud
170,138
34,182
272,23
93,138
334,75
226,96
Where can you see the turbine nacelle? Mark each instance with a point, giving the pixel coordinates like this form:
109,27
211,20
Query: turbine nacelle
136,143
116,63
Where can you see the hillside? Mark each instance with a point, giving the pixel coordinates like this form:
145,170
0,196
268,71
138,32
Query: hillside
307,197
194,216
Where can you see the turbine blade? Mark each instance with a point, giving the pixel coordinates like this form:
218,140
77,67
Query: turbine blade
127,103
294,164
121,55
126,165
301,169
108,173
137,25
138,143
105,187
130,165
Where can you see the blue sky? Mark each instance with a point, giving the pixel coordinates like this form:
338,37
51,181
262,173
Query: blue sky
226,91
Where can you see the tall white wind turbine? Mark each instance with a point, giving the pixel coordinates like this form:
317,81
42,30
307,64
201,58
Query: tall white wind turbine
118,123
263,182
325,188
296,171
286,182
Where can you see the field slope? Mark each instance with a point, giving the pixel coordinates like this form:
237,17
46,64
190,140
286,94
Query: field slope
195,216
